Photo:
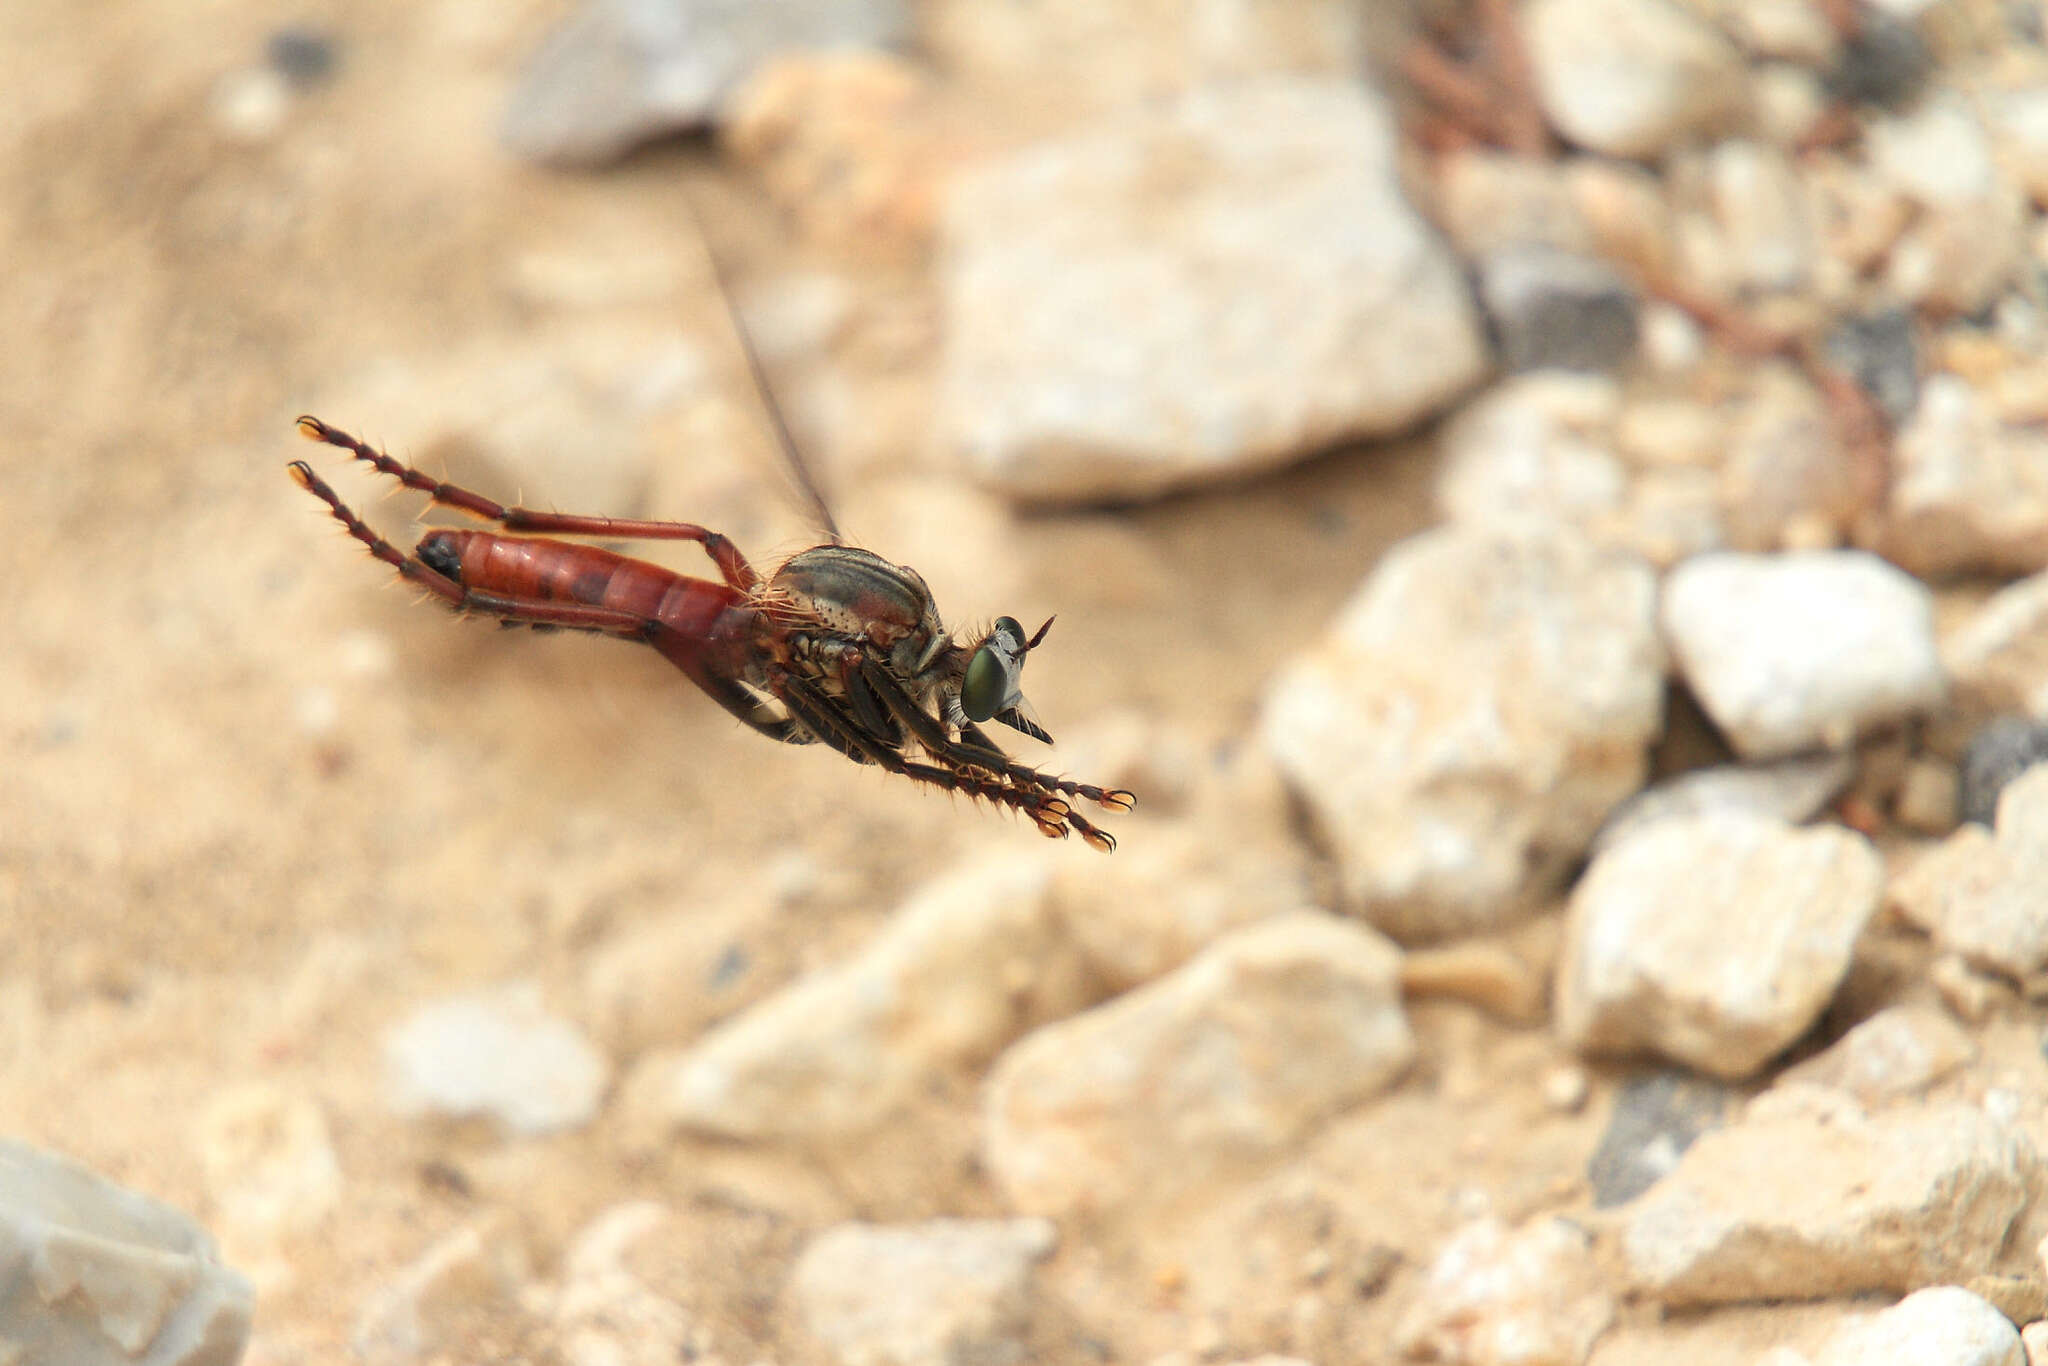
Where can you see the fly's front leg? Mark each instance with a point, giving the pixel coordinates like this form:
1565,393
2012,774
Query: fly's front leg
732,565
817,712
1108,798
977,750
987,767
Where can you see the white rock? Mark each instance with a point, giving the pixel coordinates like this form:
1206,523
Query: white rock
1985,896
1092,56
1969,494
1802,650
1163,900
1785,474
931,1294
93,1274
972,960
270,1166
1929,797
1672,341
1565,1089
1760,207
250,106
1194,292
1628,211
1227,1059
618,73
1499,1297
1487,199
1713,940
475,1270
1789,790
606,1314
1967,242
1898,1052
1804,1206
1999,656
1937,153
1790,100
1479,706
1944,1325
1535,448
1673,514
496,1053
1671,432
2019,124
1630,77
1792,30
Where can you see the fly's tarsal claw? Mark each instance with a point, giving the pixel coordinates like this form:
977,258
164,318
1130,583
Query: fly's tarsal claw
1051,824
1117,800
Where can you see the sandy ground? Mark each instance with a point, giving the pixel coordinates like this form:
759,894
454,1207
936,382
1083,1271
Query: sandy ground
258,802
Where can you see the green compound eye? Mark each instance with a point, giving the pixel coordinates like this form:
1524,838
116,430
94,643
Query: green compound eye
987,684
991,682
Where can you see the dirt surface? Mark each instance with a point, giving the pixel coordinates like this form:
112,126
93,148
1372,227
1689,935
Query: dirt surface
259,803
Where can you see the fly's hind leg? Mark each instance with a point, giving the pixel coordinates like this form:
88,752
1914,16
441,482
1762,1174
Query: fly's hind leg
435,573
732,565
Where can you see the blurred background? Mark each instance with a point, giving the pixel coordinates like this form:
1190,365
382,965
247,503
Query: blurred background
1165,319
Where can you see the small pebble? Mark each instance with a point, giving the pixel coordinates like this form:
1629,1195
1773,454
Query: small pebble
1997,754
496,1053
1655,1119
1553,309
2034,1340
1671,339
1881,352
249,106
1565,1089
305,57
1884,63
1971,995
1926,802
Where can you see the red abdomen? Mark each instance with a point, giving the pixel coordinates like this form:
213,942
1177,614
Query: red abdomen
544,570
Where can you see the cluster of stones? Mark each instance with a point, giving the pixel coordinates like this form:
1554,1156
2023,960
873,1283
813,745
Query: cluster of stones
1211,265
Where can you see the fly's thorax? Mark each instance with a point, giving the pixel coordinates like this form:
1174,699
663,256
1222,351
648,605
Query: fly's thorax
857,593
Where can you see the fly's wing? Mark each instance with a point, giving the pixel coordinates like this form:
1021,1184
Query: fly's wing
786,443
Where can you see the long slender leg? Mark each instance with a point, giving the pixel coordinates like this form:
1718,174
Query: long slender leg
732,565
808,705
533,611
1108,798
987,768
979,751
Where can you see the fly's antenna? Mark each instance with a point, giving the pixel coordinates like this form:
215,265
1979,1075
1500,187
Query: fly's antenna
791,456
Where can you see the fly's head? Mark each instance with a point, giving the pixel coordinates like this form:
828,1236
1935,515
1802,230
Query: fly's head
990,687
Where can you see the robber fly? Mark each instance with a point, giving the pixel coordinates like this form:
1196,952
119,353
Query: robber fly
837,646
